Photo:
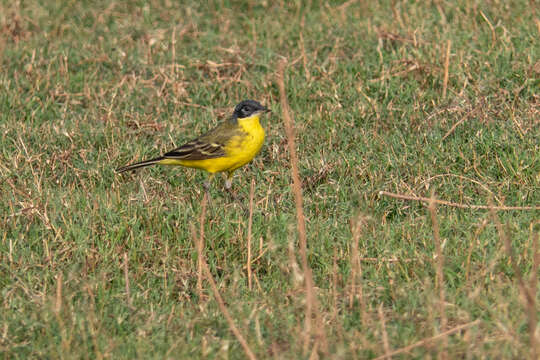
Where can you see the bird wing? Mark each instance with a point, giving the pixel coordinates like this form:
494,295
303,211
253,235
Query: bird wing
208,146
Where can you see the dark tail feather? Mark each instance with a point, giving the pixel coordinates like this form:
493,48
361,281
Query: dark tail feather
139,165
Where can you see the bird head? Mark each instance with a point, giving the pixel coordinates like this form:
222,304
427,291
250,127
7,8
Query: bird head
248,108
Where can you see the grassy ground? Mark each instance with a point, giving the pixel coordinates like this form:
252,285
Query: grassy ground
86,87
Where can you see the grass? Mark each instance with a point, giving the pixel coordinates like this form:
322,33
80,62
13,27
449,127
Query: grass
86,87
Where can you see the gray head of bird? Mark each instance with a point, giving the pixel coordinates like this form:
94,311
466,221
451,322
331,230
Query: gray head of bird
248,108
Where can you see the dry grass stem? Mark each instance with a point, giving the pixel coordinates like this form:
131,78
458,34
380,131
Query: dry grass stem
225,312
202,261
446,66
354,264
200,244
471,247
382,320
356,270
383,260
440,275
533,284
303,51
314,351
334,285
250,222
428,340
451,204
173,53
58,304
453,128
297,190
491,28
57,309
528,291
126,280
509,251
297,276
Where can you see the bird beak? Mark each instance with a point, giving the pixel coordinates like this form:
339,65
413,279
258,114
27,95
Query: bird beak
266,110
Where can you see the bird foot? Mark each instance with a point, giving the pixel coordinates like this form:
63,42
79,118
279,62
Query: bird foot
206,186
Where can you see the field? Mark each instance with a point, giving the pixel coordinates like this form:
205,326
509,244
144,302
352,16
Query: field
434,102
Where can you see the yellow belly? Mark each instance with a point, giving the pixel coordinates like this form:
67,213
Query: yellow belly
239,150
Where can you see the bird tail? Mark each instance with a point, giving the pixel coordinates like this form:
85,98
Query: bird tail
139,164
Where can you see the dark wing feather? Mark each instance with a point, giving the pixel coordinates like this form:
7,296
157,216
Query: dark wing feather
208,146
196,150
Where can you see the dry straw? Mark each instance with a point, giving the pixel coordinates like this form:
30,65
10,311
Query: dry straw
311,304
206,270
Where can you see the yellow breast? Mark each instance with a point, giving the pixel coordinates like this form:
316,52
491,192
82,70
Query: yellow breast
242,149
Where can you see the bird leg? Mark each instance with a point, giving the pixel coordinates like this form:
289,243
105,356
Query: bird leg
228,181
228,186
208,182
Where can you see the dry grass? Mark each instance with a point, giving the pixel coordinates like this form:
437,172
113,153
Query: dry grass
199,243
311,301
336,249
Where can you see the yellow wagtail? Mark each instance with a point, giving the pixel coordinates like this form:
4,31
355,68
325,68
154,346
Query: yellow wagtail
225,148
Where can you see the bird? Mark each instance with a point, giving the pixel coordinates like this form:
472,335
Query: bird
227,147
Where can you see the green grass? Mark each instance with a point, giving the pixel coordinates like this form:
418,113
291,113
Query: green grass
86,87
